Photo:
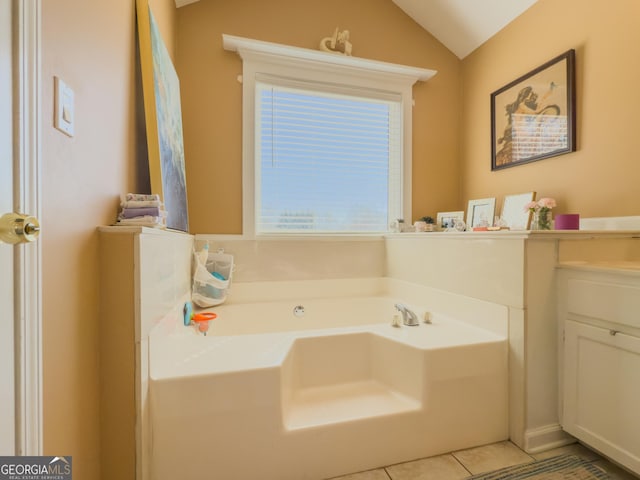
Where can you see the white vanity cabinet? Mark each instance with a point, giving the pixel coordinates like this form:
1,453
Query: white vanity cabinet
599,308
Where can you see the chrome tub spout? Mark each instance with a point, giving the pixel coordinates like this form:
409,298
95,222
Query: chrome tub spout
409,317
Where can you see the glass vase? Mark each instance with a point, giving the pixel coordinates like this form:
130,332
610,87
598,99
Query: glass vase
541,219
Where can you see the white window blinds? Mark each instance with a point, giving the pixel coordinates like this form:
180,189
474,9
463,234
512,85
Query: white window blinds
326,162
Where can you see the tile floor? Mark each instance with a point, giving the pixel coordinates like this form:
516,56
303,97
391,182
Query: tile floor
464,463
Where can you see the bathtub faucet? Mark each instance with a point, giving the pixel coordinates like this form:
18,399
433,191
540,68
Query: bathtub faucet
409,317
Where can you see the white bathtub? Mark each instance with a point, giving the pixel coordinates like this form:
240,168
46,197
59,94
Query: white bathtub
270,395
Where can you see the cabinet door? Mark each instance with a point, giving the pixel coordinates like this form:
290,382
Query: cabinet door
602,391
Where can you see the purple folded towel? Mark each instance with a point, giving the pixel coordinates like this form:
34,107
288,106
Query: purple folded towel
140,197
140,212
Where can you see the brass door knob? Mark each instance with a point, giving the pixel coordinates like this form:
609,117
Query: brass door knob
18,228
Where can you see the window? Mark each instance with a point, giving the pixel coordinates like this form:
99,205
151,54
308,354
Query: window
326,162
326,140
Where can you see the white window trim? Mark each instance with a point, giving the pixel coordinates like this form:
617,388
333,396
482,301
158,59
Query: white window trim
320,67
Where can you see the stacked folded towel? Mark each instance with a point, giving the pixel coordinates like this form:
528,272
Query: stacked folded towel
141,209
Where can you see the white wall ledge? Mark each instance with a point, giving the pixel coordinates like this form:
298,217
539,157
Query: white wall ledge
129,229
526,234
610,223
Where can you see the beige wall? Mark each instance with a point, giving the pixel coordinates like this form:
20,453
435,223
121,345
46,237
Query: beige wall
91,46
601,177
211,94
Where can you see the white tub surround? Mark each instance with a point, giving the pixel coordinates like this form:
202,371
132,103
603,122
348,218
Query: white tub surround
335,391
145,276
517,270
273,258
496,281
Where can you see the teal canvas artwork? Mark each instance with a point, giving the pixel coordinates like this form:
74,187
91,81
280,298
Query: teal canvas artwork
163,118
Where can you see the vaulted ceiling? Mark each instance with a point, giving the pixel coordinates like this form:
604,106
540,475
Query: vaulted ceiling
461,25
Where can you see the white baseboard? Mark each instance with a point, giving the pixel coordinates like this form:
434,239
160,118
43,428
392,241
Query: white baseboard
545,438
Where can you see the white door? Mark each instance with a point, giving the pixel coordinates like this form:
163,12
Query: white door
20,311
7,370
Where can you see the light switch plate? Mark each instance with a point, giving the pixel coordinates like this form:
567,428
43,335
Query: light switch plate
63,109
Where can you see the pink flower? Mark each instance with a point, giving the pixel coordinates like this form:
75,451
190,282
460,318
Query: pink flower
546,202
531,206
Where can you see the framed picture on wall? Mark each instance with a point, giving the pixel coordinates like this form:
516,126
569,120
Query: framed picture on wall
534,117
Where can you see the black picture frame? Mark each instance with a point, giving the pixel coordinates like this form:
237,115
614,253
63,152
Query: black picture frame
534,117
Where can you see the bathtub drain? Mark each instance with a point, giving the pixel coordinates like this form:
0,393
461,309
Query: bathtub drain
298,310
